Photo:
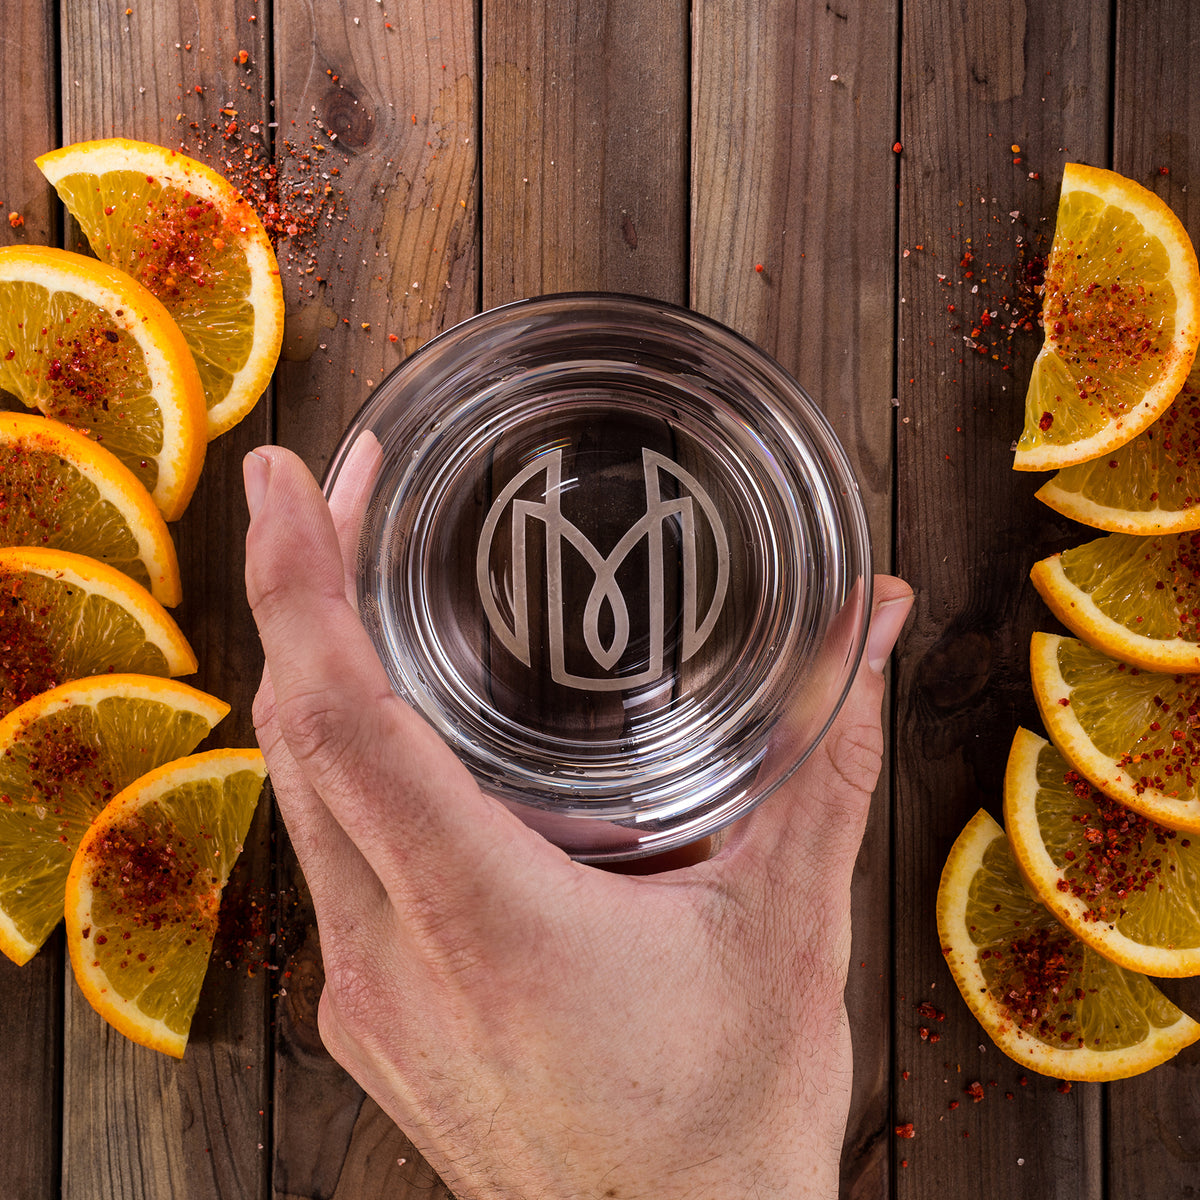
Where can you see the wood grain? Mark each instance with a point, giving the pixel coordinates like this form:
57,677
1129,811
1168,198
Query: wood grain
1151,1129
976,84
380,108
585,150
475,153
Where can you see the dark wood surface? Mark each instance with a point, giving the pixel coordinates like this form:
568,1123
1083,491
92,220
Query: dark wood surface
854,150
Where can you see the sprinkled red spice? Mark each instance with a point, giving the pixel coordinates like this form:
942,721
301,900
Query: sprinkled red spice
25,646
179,240
1000,271
1119,854
1099,330
974,1091
906,1130
31,489
60,760
1166,758
155,878
86,364
1034,980
291,185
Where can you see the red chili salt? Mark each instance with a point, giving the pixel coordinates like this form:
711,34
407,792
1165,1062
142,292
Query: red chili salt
1120,853
25,647
154,878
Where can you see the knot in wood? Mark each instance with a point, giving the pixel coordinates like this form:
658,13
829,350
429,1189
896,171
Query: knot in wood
956,668
349,117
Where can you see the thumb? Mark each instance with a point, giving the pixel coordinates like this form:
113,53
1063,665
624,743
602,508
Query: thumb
388,780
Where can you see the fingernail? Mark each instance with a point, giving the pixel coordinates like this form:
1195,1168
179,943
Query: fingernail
256,474
886,622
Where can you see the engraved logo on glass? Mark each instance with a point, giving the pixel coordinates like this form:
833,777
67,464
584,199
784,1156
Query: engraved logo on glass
696,628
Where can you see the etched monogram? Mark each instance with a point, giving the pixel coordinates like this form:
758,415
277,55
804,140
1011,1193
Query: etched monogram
696,627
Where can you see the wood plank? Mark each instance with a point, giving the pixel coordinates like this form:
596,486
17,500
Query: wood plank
1153,1122
135,1123
378,107
377,103
976,82
793,123
585,152
31,1015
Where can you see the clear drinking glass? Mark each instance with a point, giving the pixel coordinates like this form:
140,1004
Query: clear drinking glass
617,558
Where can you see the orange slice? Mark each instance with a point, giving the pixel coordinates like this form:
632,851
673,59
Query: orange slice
1135,598
1048,1000
1127,886
63,756
59,489
1149,485
197,244
1129,732
92,347
144,890
1121,316
65,616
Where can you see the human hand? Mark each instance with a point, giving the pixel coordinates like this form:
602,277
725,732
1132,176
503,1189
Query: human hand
539,1028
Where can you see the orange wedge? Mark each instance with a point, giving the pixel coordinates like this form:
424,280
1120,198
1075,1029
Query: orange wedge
1135,598
1121,319
65,616
90,346
1125,885
1130,733
197,244
63,756
60,489
1048,1000
144,890
1150,485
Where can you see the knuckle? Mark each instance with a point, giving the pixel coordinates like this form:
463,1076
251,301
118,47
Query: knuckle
856,759
264,713
264,581
315,728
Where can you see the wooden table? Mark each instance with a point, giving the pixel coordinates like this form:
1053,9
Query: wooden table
853,184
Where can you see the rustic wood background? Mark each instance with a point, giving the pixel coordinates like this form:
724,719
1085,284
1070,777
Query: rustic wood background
856,150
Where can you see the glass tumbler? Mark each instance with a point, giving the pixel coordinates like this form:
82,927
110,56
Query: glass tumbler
616,557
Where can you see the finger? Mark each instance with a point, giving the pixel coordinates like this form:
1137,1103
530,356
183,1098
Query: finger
815,820
391,784
310,825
